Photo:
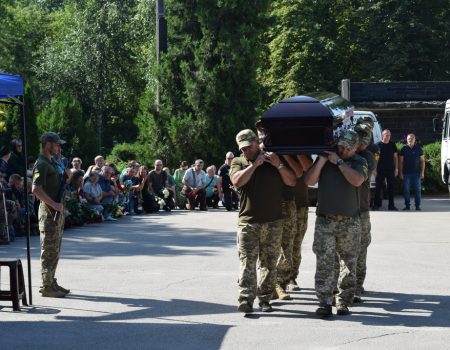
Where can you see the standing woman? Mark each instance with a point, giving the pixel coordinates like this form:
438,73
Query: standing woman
178,176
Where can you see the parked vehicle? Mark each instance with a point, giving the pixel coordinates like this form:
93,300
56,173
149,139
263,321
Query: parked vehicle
444,126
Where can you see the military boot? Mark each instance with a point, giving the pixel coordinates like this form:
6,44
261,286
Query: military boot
51,292
58,287
280,293
292,286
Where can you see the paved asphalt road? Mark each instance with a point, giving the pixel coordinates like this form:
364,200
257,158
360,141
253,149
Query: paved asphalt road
168,281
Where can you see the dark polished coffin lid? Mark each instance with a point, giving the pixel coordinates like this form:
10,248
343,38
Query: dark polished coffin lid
298,125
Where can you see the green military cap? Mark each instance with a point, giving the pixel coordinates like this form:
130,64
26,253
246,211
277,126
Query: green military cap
349,138
365,119
364,132
52,137
245,138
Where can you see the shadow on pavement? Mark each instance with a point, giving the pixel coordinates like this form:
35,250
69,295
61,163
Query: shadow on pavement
130,237
122,330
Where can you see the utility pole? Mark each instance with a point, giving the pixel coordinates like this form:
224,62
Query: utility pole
161,39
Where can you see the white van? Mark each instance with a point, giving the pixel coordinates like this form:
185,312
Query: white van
445,145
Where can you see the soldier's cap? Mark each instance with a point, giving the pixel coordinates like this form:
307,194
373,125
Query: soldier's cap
364,132
245,138
349,138
52,137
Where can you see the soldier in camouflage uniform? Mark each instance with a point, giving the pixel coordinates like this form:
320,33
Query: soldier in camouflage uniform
301,203
46,184
338,228
365,135
259,177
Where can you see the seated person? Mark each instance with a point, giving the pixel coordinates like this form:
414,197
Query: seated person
158,184
109,192
194,181
213,188
76,165
14,191
93,192
130,183
99,162
7,217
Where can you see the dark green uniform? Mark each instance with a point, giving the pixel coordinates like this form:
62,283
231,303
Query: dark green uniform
259,231
46,174
11,210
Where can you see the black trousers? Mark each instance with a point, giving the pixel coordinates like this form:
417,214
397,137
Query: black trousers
379,185
230,199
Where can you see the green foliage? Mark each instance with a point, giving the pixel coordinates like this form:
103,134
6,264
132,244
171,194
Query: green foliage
122,153
207,79
433,180
64,115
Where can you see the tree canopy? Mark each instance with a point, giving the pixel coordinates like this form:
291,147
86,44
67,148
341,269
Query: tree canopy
91,72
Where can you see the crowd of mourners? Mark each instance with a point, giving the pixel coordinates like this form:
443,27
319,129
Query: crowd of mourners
102,192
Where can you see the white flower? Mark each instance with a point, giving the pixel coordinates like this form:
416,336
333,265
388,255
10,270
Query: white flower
165,192
161,202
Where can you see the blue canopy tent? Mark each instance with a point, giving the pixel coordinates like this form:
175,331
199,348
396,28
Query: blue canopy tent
12,93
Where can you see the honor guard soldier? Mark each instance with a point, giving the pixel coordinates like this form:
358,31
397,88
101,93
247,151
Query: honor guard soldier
47,183
338,228
259,177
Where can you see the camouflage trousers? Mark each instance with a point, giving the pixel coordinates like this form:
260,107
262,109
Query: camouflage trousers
289,231
302,225
366,238
258,240
341,236
51,238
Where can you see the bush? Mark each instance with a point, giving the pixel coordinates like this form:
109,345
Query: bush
433,180
122,153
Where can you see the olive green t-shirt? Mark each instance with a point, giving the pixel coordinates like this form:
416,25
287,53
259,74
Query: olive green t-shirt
261,196
336,195
365,187
45,174
301,193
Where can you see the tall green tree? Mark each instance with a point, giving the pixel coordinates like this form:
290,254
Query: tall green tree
207,79
90,55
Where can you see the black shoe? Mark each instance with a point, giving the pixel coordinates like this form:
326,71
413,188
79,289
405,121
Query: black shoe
203,208
245,307
166,208
324,310
342,310
418,208
357,299
265,306
392,209
375,207
406,207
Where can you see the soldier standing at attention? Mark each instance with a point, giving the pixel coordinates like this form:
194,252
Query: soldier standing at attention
338,228
365,135
259,176
46,184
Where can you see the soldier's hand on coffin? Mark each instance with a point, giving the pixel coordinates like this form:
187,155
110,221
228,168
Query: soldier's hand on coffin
272,158
260,159
332,157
